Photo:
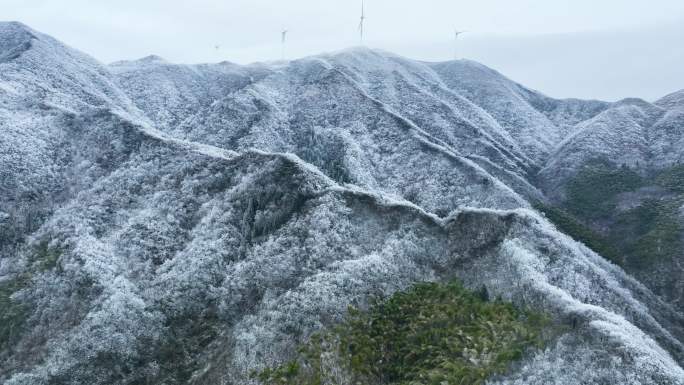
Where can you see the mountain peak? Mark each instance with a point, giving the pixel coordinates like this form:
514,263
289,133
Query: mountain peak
632,102
147,61
14,26
152,58
15,38
359,55
675,99
358,50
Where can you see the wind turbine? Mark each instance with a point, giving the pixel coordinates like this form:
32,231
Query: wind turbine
457,33
283,38
363,18
217,51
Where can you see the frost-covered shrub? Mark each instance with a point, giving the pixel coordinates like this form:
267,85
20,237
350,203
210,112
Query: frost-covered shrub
12,313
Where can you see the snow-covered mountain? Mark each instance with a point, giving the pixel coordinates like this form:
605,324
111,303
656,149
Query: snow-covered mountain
164,223
632,132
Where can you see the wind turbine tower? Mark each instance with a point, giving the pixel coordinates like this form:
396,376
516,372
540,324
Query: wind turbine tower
457,33
363,19
283,39
217,51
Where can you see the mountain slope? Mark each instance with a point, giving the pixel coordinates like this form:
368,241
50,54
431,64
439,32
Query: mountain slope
536,122
170,93
358,136
622,133
203,223
619,174
633,132
40,68
253,246
42,84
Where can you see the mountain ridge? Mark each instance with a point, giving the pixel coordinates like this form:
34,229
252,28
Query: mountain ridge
154,242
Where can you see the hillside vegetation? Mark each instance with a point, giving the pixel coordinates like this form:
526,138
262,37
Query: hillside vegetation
431,334
634,220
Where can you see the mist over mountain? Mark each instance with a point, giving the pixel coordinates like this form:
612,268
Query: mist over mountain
192,224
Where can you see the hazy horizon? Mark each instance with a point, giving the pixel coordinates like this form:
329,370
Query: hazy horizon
577,49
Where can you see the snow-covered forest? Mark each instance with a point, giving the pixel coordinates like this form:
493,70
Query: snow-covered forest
191,224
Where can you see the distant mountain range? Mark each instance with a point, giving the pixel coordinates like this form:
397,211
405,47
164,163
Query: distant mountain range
190,224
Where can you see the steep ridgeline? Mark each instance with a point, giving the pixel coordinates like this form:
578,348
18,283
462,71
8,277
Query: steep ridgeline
168,224
370,119
43,84
632,132
342,112
170,93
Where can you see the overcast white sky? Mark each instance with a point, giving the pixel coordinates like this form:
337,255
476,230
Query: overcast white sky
605,49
